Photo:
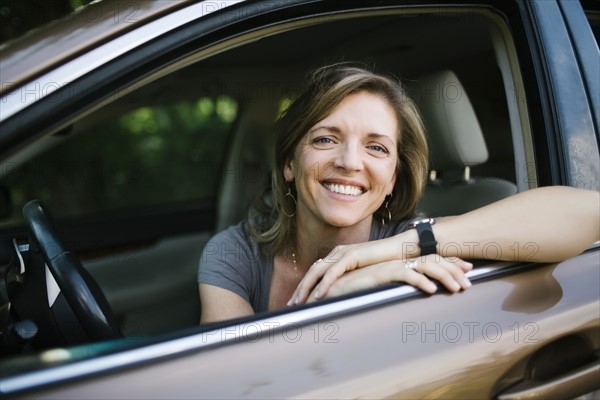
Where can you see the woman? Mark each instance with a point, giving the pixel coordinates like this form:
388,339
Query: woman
351,164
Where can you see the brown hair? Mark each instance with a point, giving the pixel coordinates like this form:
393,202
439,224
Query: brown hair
327,87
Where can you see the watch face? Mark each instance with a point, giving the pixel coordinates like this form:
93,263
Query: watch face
414,224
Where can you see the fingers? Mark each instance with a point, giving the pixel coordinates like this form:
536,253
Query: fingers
313,275
418,272
360,279
449,272
419,281
326,271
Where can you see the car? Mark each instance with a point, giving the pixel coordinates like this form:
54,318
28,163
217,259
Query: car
131,132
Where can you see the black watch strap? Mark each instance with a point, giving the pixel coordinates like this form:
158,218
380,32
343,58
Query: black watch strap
427,241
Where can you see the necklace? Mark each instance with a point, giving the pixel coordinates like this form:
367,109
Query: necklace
296,264
294,261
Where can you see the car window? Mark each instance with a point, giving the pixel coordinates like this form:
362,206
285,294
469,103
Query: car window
151,155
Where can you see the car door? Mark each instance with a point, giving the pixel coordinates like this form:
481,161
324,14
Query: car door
523,329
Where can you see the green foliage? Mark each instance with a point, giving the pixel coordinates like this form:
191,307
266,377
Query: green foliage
149,156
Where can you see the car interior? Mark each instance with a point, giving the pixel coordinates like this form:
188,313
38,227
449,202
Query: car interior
139,184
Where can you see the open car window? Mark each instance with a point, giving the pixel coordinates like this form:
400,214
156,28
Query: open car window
197,134
202,134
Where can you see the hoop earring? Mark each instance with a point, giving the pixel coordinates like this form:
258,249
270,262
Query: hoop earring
289,193
386,208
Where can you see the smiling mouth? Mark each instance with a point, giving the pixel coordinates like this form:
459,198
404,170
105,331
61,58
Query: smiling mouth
344,189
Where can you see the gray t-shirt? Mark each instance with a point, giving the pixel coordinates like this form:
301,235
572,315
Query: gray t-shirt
232,260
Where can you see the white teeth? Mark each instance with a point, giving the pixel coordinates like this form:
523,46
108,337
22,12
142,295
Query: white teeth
344,189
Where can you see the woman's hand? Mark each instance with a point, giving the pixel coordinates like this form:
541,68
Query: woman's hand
418,272
345,258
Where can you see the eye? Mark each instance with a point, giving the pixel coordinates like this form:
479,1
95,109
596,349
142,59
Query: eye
378,148
323,142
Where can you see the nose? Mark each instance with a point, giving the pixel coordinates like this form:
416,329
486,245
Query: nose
349,157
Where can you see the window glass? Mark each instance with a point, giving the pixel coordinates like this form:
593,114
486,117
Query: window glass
151,155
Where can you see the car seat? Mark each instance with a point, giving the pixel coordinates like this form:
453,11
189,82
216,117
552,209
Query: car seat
456,144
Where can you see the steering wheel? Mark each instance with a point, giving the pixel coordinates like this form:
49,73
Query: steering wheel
81,292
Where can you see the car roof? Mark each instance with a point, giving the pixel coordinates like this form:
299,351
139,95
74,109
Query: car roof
88,27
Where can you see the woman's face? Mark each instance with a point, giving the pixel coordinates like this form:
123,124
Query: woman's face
345,165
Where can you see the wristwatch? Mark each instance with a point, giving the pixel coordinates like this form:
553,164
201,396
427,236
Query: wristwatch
427,240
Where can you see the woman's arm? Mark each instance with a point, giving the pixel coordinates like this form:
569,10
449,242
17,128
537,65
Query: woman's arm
224,274
220,304
543,225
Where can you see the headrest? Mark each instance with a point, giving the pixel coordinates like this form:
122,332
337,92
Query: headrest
455,136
